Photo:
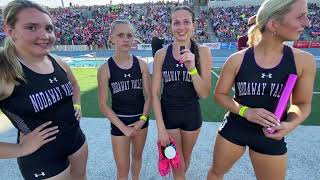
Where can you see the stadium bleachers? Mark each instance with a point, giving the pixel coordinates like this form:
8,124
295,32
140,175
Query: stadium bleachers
91,25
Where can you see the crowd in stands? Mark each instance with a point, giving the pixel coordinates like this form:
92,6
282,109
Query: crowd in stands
229,23
91,25
83,25
2,35
314,30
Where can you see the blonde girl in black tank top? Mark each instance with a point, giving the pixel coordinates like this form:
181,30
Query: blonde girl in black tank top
258,73
38,93
128,80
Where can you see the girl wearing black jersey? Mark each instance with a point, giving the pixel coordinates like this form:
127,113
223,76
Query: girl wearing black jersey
128,79
185,76
259,73
38,93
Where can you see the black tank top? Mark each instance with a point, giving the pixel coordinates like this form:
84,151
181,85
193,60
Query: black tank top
126,88
44,97
257,87
178,88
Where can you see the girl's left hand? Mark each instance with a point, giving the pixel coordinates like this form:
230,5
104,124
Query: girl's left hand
281,131
77,113
137,125
188,59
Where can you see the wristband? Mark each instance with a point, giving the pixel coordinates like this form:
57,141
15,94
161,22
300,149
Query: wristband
193,71
243,110
77,107
144,118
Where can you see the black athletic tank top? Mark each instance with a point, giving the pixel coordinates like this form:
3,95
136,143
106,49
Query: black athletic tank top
126,88
44,97
257,87
178,88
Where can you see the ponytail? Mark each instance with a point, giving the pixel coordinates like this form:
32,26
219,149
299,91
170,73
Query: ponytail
195,50
254,36
11,69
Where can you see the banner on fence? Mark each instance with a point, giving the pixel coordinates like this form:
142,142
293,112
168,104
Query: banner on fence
213,45
229,45
144,47
301,44
315,44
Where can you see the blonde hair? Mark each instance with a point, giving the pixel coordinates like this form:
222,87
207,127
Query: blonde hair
117,22
10,67
269,10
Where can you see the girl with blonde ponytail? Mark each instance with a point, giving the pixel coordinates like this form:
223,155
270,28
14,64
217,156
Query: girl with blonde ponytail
259,74
41,97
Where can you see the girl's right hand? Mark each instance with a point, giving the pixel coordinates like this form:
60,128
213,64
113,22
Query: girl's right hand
129,131
164,138
261,116
34,140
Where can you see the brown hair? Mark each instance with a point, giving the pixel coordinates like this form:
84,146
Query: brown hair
194,46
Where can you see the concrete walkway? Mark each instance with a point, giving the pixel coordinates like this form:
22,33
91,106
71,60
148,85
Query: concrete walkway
303,150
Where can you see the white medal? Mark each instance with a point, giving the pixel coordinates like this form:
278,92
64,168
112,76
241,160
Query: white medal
170,152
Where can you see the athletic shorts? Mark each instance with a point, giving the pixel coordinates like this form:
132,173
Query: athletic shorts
127,121
244,133
52,158
187,118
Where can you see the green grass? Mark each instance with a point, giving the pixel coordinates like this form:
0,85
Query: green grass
211,111
87,78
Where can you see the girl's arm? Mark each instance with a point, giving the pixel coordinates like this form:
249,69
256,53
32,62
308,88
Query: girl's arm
103,94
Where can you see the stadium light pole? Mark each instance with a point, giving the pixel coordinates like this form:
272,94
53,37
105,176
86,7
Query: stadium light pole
62,3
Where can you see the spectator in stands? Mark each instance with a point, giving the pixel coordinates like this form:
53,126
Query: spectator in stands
128,79
156,42
83,25
41,97
258,74
242,41
186,76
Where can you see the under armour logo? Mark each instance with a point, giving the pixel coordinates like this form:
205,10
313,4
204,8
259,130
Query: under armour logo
53,80
38,175
263,75
177,65
127,75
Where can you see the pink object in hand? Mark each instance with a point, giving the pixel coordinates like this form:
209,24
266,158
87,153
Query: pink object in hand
284,98
163,163
175,162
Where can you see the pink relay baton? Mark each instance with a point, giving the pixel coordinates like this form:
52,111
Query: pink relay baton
284,98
